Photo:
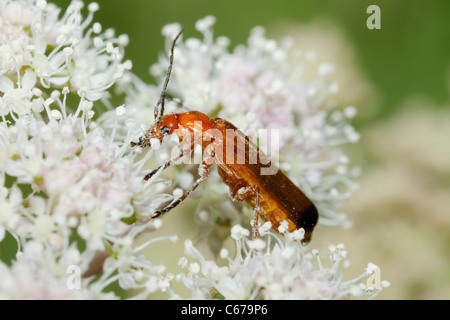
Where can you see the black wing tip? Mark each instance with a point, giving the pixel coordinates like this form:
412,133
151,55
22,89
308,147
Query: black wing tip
308,221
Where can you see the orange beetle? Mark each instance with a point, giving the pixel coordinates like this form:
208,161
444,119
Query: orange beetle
273,196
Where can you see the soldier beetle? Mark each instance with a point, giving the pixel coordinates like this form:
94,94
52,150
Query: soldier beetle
272,195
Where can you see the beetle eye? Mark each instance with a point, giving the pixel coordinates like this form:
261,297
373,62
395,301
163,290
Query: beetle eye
165,130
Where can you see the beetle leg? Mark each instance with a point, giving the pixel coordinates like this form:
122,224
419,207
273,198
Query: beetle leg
165,166
183,152
250,191
203,171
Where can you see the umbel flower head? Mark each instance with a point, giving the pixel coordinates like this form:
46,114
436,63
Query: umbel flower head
71,193
273,267
71,189
38,46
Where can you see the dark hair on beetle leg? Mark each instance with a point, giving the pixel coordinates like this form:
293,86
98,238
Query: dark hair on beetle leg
159,109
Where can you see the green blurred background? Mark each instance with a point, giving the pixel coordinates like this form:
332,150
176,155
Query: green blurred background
409,55
398,77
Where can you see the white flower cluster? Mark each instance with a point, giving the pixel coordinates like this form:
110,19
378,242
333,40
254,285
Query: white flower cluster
38,47
272,267
262,85
71,193
36,275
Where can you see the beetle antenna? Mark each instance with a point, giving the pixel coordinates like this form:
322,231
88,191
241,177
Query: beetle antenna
159,109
